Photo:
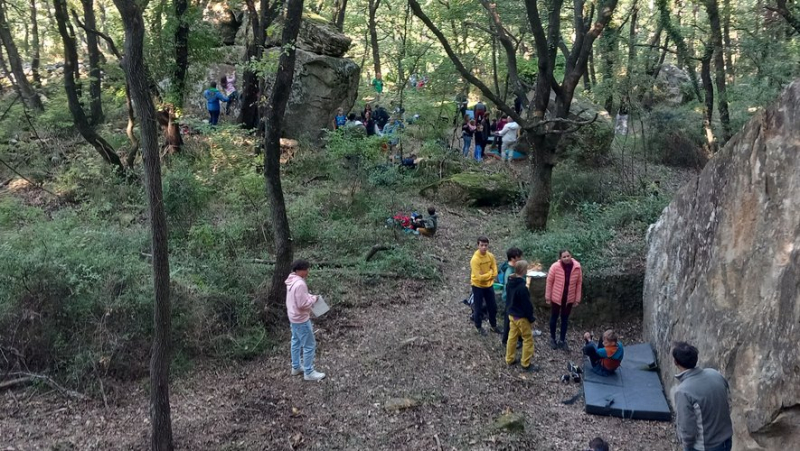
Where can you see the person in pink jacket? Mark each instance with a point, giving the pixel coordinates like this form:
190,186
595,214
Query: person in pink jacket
298,307
563,291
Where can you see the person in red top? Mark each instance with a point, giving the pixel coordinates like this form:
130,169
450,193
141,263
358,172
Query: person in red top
562,293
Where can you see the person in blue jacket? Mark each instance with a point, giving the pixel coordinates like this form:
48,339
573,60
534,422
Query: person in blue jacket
213,97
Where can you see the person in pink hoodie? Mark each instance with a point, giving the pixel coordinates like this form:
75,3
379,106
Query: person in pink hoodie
562,292
298,307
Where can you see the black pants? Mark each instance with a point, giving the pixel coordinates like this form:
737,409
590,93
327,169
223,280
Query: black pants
556,311
484,298
590,350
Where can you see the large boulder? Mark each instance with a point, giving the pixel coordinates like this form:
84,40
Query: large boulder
317,35
673,86
723,273
321,85
590,145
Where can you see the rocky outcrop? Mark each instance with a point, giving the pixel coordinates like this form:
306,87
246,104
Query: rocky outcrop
723,272
317,35
673,86
321,85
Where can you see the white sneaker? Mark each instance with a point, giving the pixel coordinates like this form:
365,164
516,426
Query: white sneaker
314,376
297,371
537,333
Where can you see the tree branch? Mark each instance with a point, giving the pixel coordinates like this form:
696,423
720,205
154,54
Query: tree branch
105,37
786,13
485,90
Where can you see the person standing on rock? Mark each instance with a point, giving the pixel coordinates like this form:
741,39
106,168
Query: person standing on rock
702,410
562,293
483,270
229,82
298,307
213,97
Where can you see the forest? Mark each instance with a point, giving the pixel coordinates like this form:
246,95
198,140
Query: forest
144,248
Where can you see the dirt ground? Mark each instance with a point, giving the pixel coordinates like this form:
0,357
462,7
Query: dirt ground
405,339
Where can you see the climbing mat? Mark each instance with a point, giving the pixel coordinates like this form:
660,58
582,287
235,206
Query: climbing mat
632,391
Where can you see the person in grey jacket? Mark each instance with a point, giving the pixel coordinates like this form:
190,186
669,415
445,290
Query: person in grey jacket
702,410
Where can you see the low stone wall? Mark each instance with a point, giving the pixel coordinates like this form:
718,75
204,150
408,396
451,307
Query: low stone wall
606,298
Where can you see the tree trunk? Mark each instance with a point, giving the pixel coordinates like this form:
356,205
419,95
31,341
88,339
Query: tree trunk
608,47
35,51
29,95
88,132
7,74
338,17
279,97
373,37
708,103
95,82
259,21
684,53
726,37
136,72
537,207
712,9
181,50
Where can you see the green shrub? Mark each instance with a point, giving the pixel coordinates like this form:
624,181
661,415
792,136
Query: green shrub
674,138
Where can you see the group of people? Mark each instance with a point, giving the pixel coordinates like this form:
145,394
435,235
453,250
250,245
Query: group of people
213,96
378,122
502,131
701,397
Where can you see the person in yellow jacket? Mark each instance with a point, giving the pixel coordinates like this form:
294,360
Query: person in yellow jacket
483,270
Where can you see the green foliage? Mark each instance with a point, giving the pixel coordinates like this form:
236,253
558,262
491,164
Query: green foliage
674,137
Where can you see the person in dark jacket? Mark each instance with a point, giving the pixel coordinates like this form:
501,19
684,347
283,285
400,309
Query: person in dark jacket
520,317
702,408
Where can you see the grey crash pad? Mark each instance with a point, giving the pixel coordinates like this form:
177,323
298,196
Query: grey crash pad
631,392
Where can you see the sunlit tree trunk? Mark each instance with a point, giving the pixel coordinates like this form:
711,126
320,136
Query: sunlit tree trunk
26,90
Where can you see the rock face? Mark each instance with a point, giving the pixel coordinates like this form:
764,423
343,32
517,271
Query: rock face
723,273
321,85
225,19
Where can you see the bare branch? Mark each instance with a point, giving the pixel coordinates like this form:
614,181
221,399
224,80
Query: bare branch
414,4
105,37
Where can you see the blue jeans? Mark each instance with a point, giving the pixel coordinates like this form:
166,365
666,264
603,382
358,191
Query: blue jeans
725,446
303,339
478,152
214,117
467,143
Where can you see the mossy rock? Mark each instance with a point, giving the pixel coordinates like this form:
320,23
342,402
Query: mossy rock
474,189
511,422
